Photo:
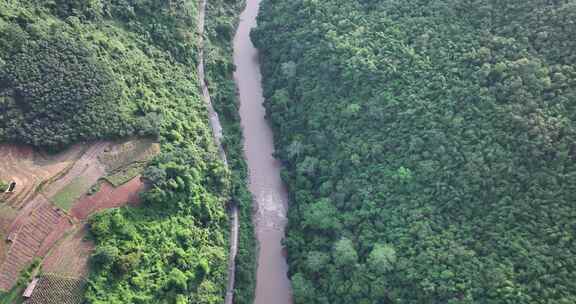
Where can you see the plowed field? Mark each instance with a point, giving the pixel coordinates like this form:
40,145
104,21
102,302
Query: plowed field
70,256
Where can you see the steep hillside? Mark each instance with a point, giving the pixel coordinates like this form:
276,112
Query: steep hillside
429,148
81,70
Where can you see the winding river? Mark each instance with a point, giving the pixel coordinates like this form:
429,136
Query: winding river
270,196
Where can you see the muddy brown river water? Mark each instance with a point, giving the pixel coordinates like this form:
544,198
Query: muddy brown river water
270,196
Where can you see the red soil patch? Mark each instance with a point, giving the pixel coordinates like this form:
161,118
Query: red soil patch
108,197
70,256
40,230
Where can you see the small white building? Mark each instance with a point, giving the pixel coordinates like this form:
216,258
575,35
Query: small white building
28,292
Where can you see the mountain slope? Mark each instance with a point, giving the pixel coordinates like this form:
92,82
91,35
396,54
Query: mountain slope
81,70
429,148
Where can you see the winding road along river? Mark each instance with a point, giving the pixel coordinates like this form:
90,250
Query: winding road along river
271,199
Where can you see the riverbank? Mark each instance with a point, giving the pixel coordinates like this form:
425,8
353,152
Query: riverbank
222,18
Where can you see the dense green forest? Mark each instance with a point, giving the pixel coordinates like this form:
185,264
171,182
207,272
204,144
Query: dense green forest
95,69
429,146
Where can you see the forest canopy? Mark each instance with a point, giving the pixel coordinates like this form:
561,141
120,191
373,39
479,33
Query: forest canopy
56,93
429,148
66,75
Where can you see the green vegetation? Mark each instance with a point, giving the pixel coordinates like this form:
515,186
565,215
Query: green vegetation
13,296
174,248
86,73
94,188
129,160
124,175
221,21
136,150
429,148
130,70
53,90
66,197
3,186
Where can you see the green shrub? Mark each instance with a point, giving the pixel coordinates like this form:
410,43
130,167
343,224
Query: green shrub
3,186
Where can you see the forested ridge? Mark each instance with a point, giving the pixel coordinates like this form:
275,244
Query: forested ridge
74,71
429,147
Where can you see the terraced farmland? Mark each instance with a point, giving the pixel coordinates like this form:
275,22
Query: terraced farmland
128,152
44,225
65,198
51,197
127,160
87,166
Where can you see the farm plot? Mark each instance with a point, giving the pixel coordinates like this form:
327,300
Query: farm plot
74,190
55,289
108,197
127,152
7,216
126,160
44,225
29,222
30,169
70,256
52,199
87,166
